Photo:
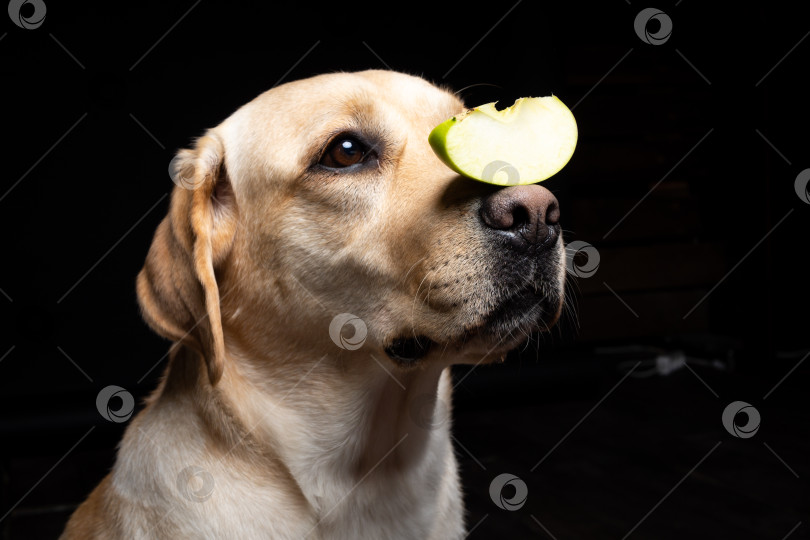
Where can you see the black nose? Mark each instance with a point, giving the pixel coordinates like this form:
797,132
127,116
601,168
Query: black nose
527,215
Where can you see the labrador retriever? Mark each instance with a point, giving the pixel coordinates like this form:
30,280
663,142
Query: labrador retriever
318,272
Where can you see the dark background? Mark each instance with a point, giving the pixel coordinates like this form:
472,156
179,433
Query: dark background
88,139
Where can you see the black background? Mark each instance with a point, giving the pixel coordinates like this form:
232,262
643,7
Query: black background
78,212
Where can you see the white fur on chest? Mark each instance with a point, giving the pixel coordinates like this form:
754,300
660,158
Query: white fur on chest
406,487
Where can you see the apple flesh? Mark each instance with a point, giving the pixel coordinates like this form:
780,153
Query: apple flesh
522,144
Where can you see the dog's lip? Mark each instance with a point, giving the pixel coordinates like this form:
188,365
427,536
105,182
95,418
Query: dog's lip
527,305
532,303
521,313
408,350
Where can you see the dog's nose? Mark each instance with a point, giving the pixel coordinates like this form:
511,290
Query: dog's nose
527,214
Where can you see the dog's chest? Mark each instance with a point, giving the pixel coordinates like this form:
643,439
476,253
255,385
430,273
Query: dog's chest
389,498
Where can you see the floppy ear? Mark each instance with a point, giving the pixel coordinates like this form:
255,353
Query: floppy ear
177,288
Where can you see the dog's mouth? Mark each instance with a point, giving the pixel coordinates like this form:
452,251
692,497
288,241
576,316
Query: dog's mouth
527,308
521,297
408,351
526,311
528,301
531,308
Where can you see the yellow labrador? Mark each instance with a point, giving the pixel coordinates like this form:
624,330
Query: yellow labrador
318,272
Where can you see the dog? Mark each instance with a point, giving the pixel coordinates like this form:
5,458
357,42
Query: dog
318,272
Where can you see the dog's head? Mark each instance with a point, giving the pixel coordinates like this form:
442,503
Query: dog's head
322,198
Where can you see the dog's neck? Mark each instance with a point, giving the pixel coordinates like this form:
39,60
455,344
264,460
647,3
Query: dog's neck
356,418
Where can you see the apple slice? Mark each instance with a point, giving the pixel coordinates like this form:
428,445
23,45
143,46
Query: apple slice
523,144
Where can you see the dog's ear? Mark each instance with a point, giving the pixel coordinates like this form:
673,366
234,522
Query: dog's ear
177,287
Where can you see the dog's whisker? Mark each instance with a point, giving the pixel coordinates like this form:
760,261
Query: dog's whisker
444,349
426,301
458,92
413,306
405,277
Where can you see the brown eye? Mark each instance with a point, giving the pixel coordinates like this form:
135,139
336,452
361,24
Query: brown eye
343,152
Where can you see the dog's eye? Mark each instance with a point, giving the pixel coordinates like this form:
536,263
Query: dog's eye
344,151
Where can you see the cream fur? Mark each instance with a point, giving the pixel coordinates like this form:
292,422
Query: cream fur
281,433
